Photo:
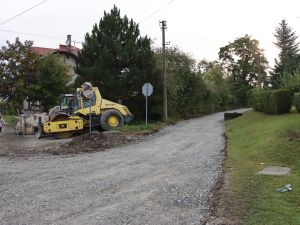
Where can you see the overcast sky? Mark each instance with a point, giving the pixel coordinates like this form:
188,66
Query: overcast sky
198,27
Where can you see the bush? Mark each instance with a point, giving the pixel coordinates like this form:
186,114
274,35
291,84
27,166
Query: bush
290,81
257,99
297,101
279,101
271,102
7,108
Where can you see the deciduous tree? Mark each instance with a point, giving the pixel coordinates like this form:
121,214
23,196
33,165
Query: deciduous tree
187,93
51,81
17,71
245,64
217,83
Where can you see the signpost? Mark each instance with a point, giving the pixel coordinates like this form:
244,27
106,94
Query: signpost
90,116
147,91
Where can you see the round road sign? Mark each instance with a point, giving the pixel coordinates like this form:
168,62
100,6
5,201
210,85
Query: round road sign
147,89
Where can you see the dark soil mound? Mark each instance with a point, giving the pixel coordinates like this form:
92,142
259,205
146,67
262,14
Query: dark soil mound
94,142
89,142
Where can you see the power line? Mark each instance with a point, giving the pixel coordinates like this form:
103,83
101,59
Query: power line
152,14
31,34
38,35
21,13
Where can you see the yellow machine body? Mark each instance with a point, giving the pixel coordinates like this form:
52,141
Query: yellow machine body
104,115
73,123
100,105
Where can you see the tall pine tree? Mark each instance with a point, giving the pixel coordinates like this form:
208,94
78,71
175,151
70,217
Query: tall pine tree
118,60
288,59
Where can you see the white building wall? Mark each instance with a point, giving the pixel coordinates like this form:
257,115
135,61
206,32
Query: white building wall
71,64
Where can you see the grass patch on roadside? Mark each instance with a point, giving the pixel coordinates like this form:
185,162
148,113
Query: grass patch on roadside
141,127
255,141
10,119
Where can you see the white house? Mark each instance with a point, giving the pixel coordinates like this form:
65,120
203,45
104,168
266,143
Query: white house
67,55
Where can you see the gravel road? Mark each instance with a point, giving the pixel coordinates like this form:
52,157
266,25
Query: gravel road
166,179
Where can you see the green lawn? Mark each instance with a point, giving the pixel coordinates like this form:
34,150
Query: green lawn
256,140
11,120
141,127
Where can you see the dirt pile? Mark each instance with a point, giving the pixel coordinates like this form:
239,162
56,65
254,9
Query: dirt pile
94,142
90,142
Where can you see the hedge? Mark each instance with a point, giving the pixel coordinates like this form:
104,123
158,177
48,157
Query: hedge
257,98
271,102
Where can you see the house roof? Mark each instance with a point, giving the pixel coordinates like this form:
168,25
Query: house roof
42,51
63,49
68,49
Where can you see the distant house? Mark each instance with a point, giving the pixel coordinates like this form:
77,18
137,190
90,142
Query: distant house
67,54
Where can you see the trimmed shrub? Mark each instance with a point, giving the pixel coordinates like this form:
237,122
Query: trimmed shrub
271,102
257,99
297,101
279,101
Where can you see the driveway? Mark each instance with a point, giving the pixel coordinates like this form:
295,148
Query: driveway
167,179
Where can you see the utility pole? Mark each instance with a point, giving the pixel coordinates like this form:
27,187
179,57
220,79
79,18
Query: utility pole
163,27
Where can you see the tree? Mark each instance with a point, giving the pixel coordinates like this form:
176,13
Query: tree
245,64
187,93
204,65
290,81
17,71
179,74
118,60
212,72
217,83
51,81
288,59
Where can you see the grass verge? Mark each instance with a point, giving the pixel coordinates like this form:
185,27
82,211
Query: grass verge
142,128
10,119
256,141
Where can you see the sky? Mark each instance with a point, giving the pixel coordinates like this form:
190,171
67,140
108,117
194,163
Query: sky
197,27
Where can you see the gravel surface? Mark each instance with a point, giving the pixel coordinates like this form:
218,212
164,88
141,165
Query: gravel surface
166,179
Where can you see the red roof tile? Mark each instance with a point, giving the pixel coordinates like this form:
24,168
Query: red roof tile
62,49
68,49
42,51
